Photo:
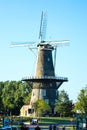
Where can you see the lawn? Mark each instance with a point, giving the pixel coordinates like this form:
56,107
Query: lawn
45,121
56,120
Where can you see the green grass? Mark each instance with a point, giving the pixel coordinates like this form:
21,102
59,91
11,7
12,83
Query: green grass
49,120
54,120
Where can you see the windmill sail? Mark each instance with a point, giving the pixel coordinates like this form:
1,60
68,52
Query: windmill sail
43,24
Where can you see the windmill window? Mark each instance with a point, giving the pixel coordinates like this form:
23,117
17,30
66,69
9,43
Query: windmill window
56,100
48,59
44,92
47,101
50,84
56,93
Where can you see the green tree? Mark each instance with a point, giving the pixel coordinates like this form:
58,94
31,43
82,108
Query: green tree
8,96
1,88
63,105
81,104
41,108
13,96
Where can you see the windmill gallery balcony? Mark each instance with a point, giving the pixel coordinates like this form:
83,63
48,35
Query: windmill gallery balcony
46,80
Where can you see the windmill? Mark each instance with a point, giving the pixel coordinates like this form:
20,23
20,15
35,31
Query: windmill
45,83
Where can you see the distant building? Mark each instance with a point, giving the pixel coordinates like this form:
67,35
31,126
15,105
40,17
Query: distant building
26,111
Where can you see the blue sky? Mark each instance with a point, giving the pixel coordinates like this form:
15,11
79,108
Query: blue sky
66,19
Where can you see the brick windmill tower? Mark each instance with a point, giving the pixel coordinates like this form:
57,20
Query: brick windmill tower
45,83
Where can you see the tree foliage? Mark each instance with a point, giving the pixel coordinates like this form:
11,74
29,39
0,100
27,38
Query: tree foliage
63,105
1,87
41,107
13,96
81,104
